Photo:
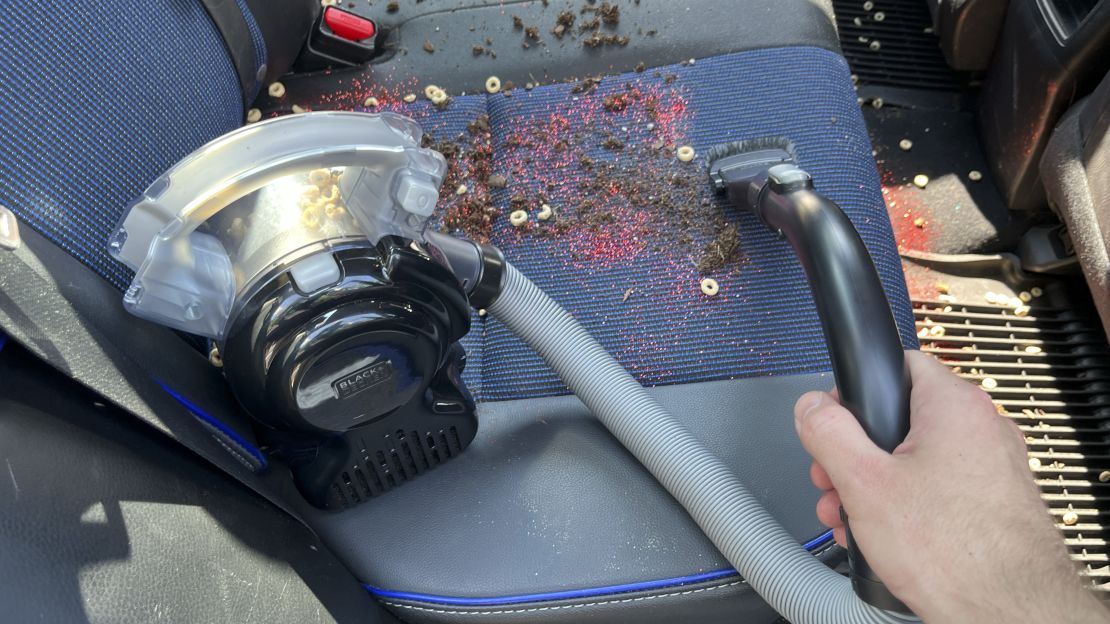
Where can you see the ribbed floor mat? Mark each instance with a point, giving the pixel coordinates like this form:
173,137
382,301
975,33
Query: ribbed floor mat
891,43
1050,372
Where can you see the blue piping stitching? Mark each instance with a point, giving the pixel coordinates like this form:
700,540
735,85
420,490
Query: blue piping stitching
819,541
199,413
590,592
215,422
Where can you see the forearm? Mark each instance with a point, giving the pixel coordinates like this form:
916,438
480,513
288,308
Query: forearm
1056,600
1019,571
952,521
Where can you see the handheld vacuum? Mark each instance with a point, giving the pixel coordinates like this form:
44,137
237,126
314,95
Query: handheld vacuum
299,247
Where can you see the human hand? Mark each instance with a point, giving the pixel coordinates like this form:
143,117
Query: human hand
952,520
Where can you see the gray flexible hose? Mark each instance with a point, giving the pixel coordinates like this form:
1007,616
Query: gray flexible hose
790,579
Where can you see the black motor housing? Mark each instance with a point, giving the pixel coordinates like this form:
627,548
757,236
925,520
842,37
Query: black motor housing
358,384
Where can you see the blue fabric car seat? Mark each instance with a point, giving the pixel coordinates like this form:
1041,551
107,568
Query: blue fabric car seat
100,108
545,517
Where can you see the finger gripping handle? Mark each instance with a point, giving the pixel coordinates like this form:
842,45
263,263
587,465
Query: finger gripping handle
863,341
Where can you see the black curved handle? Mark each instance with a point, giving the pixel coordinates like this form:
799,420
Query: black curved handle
862,337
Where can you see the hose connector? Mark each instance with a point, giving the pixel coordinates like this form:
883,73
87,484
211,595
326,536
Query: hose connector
479,267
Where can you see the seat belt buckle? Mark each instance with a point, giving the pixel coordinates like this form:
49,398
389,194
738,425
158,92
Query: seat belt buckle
339,39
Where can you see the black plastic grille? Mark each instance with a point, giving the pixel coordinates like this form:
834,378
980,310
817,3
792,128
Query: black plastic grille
393,460
908,53
1050,372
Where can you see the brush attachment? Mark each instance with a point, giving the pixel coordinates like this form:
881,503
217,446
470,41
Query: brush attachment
748,158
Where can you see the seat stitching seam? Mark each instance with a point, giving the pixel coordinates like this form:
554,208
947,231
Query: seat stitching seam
571,606
227,447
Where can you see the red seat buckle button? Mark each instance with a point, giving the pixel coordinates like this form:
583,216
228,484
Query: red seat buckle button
348,25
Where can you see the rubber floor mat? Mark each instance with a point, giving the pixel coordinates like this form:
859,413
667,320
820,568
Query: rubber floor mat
1047,367
891,43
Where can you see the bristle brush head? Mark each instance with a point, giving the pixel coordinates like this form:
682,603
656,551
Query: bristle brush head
744,146
746,160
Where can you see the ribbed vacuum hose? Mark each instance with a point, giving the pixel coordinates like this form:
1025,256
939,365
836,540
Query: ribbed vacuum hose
790,579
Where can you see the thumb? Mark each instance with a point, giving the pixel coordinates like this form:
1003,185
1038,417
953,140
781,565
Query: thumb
836,441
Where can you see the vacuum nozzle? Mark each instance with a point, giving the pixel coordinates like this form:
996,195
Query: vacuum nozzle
747,160
864,345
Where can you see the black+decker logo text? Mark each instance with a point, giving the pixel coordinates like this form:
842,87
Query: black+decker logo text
362,379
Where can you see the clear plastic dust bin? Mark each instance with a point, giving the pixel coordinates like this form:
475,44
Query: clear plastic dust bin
271,196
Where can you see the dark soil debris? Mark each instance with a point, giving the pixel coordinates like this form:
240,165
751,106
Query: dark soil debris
610,14
616,102
723,250
593,216
611,142
554,229
516,140
587,84
393,7
641,192
479,126
563,23
479,50
518,202
629,194
449,149
517,22
532,32
469,161
597,39
474,216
